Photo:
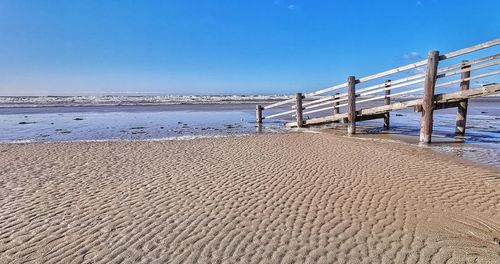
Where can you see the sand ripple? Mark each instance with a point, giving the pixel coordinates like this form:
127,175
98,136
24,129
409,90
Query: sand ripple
292,198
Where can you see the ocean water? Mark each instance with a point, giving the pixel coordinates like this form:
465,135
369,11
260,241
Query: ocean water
63,119
48,124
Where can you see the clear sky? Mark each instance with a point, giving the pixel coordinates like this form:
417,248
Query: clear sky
223,46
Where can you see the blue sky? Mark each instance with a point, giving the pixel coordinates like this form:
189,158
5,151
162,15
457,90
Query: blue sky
223,46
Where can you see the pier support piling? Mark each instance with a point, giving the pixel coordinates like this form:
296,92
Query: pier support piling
351,105
298,109
387,101
428,99
462,105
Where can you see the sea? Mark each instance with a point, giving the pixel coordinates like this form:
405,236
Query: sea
25,119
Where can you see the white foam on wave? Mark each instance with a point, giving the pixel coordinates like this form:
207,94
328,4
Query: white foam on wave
110,100
190,137
173,138
20,141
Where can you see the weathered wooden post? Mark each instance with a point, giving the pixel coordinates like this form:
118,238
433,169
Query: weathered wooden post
258,114
351,105
298,109
387,101
462,106
336,109
428,99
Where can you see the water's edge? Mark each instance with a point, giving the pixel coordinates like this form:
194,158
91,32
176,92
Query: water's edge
481,142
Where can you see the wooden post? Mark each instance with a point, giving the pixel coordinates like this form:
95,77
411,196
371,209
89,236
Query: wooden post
428,99
298,109
351,105
462,106
258,114
336,110
387,101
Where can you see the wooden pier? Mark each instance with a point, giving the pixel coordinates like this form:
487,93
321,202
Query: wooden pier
350,96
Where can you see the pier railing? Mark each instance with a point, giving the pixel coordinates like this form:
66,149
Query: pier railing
419,79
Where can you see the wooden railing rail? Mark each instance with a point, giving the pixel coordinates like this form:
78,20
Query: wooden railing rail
480,66
477,47
480,76
459,65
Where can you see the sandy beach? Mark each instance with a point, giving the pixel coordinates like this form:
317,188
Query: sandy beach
272,198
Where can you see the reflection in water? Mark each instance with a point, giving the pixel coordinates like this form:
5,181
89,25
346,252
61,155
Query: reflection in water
481,142
258,127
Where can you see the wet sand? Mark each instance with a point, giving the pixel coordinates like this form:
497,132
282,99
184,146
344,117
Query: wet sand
281,198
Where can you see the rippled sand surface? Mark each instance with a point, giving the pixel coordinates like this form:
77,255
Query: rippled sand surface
283,198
